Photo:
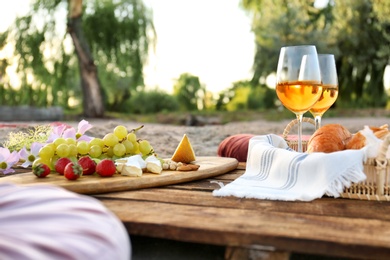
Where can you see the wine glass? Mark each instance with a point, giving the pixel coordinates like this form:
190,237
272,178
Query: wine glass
330,87
298,81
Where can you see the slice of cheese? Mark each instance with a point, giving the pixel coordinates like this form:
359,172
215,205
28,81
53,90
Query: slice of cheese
184,152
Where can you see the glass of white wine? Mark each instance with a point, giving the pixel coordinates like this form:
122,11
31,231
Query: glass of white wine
330,87
298,81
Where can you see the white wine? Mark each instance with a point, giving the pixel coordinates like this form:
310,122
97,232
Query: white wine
299,96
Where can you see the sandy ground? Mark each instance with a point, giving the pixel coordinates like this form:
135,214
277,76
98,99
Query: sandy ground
204,139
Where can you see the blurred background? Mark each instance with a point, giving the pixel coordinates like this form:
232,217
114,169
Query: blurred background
157,60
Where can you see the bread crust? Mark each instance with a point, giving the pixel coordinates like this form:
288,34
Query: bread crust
329,138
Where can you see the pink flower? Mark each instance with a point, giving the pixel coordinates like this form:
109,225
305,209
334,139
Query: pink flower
7,160
57,132
65,131
83,127
29,156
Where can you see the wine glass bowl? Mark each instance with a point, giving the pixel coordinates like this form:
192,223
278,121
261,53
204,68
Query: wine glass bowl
330,88
298,81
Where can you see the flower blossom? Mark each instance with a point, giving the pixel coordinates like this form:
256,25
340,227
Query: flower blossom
29,156
57,132
80,135
7,160
65,131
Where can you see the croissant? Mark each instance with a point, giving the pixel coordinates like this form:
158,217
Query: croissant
335,137
329,138
358,140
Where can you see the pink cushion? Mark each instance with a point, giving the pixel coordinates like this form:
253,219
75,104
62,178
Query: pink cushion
47,222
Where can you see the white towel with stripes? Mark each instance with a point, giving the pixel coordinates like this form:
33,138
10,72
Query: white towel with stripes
276,172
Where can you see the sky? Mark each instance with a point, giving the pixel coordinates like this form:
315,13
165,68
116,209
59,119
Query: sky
210,39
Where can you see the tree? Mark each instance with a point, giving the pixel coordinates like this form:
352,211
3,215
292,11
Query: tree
110,39
189,92
279,23
93,100
365,52
356,31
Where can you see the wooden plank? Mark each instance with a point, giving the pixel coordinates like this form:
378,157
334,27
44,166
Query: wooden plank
237,227
345,208
94,184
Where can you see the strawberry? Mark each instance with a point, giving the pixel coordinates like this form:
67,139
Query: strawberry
73,171
106,168
88,165
41,170
60,165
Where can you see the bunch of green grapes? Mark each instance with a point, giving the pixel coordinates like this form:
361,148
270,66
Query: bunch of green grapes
117,144
121,143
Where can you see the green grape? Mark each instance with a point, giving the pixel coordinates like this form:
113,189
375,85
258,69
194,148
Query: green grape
136,148
70,140
59,140
119,150
110,153
132,137
41,160
63,150
95,151
110,139
82,147
129,146
53,161
72,150
46,152
96,141
144,147
103,156
121,132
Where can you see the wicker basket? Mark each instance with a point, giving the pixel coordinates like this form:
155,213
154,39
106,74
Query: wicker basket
377,184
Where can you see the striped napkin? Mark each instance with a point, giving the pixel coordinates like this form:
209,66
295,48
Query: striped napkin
276,172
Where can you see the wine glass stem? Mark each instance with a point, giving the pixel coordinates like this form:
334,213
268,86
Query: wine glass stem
317,120
299,117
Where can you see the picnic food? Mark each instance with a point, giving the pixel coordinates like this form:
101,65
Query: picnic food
73,171
359,140
61,164
88,165
41,170
235,146
184,152
179,166
335,137
131,166
106,168
329,138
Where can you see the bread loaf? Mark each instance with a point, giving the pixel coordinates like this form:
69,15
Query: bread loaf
329,138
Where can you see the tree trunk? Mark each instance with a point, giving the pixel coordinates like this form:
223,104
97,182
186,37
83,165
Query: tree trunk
92,96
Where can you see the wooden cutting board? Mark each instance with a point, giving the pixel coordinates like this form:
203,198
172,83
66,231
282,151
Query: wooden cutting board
94,184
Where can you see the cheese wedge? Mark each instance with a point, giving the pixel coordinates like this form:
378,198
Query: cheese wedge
184,152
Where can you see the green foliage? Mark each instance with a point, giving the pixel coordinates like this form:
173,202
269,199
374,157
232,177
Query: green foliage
24,139
261,97
189,92
121,52
148,102
360,72
245,96
356,31
119,33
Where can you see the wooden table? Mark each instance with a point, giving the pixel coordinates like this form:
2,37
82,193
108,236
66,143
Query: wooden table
255,229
